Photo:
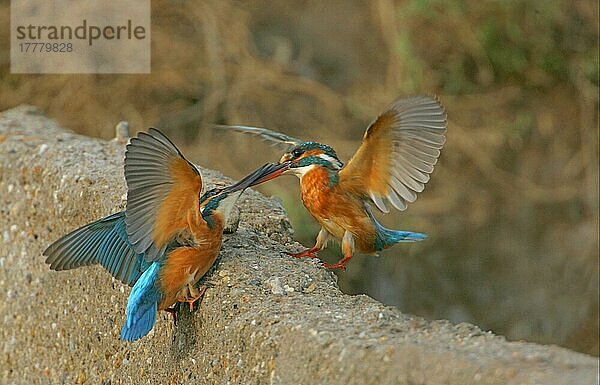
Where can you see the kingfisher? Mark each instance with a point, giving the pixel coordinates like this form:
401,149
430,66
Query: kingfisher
393,163
166,239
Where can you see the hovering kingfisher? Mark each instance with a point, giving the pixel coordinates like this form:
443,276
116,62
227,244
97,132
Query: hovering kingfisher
166,239
393,163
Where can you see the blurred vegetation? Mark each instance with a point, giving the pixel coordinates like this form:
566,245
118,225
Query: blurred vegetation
512,208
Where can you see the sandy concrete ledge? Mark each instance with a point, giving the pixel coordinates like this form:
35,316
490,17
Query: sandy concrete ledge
268,319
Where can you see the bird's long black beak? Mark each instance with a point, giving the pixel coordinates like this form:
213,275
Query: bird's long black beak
271,171
264,173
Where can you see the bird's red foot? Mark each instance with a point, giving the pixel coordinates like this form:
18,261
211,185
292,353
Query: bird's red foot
340,265
335,266
308,253
197,296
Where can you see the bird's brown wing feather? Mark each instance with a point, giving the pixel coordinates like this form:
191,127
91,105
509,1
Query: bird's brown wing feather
398,152
163,193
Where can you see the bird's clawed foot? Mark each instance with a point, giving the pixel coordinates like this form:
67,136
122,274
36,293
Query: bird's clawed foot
196,295
308,253
340,265
312,253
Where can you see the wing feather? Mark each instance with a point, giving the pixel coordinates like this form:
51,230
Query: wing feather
379,202
103,241
399,151
163,187
402,190
277,139
396,201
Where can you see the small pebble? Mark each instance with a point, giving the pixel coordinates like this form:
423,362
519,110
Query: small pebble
276,286
310,288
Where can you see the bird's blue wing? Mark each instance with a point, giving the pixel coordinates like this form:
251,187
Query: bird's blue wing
104,242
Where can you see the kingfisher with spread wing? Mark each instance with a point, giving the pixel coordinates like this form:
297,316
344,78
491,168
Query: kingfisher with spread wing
167,238
393,163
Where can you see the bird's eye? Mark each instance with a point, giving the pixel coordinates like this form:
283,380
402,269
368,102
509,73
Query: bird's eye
297,152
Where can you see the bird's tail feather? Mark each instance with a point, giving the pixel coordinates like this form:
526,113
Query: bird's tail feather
388,237
396,236
141,323
142,305
385,238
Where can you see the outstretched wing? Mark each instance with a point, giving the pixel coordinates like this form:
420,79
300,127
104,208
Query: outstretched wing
104,242
398,152
282,141
163,193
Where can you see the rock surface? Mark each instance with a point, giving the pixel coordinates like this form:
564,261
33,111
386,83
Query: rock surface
267,318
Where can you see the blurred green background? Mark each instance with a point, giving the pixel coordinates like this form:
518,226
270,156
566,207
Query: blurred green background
512,207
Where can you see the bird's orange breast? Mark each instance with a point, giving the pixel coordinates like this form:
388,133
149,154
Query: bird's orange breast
315,190
337,210
187,264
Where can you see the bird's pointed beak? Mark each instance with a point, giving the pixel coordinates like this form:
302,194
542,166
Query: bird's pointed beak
271,171
264,173
226,197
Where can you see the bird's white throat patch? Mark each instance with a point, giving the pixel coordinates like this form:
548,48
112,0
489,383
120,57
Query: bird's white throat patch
301,171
